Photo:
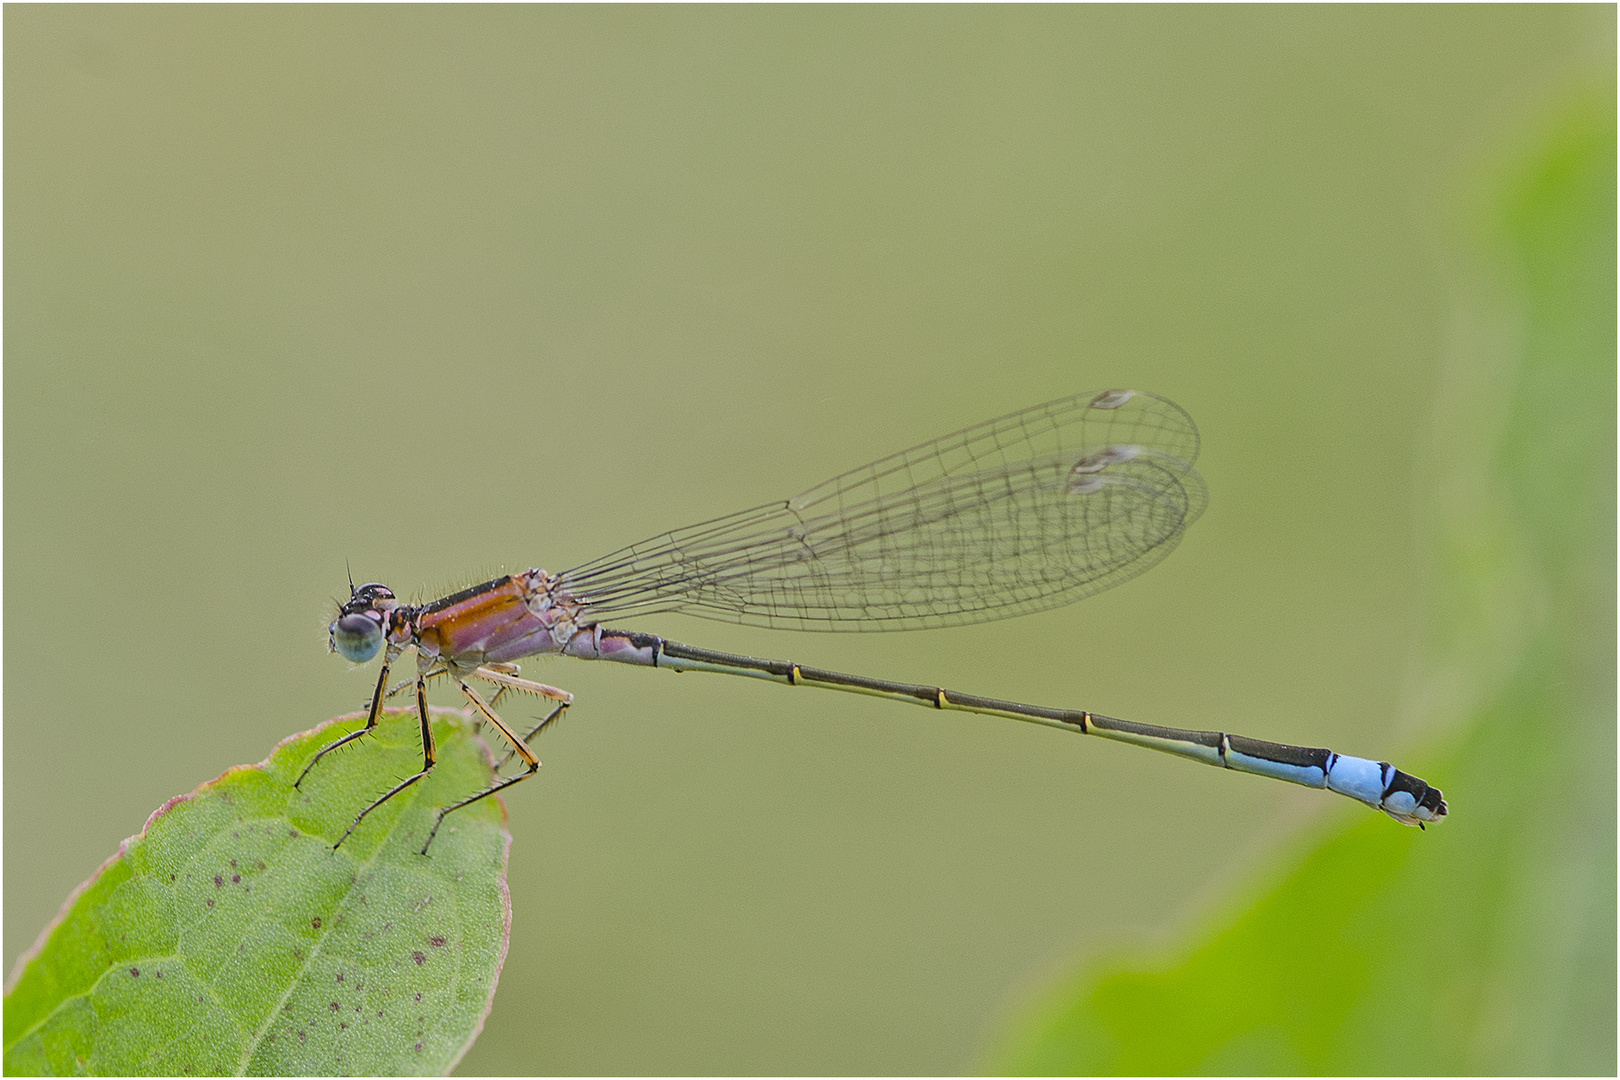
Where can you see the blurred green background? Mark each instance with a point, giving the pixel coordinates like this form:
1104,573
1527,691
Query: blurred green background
431,292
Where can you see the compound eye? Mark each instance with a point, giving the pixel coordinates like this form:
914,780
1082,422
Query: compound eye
357,637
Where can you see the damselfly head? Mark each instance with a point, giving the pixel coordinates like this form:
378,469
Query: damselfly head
357,632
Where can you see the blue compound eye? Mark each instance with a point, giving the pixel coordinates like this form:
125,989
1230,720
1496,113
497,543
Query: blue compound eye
356,637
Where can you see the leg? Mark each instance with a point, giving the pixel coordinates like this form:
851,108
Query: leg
518,745
505,677
542,725
405,684
371,722
537,729
501,669
429,758
484,672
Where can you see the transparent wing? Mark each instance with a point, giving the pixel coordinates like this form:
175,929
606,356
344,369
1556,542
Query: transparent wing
1027,512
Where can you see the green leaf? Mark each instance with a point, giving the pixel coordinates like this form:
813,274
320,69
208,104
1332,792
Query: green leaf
229,937
1486,945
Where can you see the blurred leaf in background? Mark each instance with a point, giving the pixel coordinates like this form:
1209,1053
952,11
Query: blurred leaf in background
1486,946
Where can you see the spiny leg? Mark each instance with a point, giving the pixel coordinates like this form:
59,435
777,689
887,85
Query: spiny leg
497,672
371,722
405,684
542,725
505,677
522,749
503,669
440,670
429,759
507,680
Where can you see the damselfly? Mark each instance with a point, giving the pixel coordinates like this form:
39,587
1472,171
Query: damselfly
1027,512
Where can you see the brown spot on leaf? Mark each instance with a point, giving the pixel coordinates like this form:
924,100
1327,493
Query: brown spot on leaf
135,972
420,958
436,941
218,881
332,1005
419,1047
315,922
236,879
